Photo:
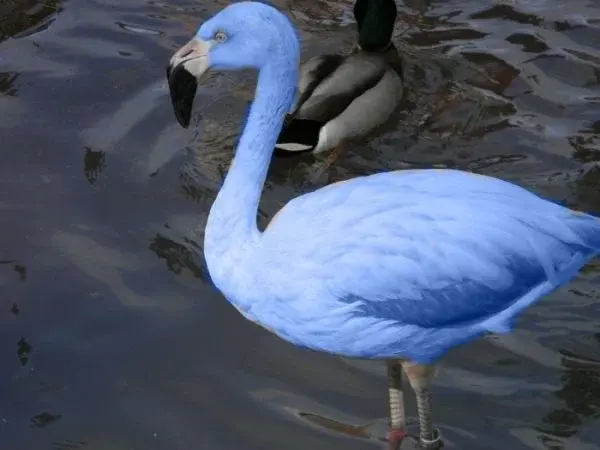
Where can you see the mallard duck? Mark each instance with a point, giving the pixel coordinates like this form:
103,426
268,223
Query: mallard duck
341,97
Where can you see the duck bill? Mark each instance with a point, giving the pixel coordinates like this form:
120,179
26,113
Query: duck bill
186,66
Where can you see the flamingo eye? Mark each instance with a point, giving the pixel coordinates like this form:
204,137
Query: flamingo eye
220,36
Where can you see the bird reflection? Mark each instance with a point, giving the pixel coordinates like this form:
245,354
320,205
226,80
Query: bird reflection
177,256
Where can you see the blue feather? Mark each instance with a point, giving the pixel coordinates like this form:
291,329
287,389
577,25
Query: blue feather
446,258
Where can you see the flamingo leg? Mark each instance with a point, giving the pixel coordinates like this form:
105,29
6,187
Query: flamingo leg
397,418
420,377
333,155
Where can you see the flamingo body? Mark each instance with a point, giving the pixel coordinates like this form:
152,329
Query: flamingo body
408,264
401,266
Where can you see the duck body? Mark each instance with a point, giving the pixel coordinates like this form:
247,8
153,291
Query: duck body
342,97
406,264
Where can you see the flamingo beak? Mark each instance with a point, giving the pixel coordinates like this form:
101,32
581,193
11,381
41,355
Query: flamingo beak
185,68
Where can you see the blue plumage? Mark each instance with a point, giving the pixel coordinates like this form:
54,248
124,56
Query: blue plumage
452,253
400,266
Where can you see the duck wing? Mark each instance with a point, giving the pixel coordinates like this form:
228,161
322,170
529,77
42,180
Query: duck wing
312,73
328,85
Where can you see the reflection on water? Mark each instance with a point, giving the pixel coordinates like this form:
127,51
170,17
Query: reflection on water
44,419
112,336
24,17
23,350
7,81
177,256
94,162
580,388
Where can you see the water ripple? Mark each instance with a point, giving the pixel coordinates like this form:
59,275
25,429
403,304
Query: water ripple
104,200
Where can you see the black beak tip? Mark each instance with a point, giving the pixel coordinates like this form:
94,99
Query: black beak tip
183,114
183,120
182,87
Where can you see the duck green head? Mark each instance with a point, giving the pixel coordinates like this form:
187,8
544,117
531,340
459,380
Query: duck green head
375,20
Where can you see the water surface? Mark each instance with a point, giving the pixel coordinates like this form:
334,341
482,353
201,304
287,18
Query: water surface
111,336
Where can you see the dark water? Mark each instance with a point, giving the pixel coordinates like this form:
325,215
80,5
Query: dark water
111,337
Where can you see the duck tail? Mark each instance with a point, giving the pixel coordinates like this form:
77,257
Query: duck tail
299,135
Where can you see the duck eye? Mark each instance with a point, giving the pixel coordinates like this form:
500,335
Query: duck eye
220,36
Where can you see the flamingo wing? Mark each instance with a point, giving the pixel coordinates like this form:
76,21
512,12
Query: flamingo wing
427,248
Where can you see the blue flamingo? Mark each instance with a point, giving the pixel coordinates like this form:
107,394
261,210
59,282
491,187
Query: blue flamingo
400,266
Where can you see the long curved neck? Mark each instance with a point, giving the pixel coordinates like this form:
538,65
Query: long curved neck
232,222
